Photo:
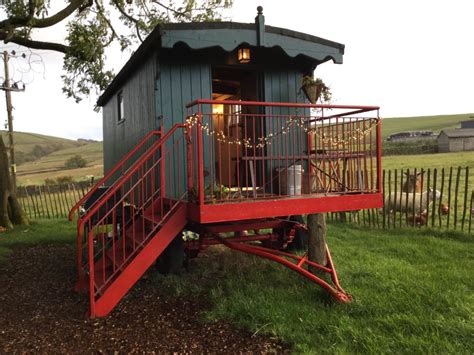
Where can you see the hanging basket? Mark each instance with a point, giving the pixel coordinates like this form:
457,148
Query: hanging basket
313,91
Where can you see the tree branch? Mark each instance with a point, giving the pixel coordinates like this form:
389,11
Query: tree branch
57,47
45,22
101,12
130,18
31,8
170,9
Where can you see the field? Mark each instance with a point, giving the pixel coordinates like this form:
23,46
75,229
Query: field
25,142
413,293
52,165
439,160
422,123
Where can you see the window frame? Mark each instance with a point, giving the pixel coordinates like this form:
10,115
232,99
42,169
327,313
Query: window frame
120,107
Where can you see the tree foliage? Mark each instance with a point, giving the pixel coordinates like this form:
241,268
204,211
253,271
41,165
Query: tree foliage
92,27
76,161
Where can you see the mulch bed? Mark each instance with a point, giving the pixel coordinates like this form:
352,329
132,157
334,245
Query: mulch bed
40,312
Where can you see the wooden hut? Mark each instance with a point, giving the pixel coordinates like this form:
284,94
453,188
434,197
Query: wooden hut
206,129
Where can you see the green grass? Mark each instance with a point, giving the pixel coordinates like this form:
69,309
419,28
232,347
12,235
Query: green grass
413,290
24,141
413,293
422,123
438,160
34,169
40,232
52,165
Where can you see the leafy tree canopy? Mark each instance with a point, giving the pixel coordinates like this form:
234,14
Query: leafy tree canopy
92,27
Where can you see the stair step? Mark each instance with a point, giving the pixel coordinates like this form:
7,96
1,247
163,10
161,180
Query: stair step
133,270
116,259
101,273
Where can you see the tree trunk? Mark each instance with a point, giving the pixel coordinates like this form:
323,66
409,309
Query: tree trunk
317,240
11,212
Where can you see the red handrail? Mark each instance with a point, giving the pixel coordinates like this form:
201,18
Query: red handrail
104,198
111,172
282,104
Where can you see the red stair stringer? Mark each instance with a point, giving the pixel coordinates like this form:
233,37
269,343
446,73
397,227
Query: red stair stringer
173,224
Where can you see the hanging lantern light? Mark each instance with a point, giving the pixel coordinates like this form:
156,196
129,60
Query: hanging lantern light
243,55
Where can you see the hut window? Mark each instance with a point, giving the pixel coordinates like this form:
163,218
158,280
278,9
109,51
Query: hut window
120,108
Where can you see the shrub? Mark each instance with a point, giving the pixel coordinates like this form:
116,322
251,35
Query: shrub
409,148
75,161
64,179
50,181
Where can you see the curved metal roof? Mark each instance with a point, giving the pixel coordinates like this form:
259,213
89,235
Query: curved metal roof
228,36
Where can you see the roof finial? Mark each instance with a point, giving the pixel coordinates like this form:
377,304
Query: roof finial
260,10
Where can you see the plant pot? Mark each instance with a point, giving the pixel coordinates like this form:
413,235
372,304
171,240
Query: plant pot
313,92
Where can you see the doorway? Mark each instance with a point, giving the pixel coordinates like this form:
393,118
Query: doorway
232,120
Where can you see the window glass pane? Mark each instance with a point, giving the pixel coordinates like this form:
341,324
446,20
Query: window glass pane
120,107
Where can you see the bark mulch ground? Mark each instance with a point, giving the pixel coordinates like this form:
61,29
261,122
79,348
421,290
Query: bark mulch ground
40,312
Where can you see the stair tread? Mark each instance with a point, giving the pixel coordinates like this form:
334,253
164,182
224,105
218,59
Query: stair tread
115,256
122,281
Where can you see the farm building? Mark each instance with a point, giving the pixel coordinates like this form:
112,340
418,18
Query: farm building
411,136
456,140
207,132
467,123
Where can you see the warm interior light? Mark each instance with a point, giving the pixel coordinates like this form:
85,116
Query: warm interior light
218,109
243,55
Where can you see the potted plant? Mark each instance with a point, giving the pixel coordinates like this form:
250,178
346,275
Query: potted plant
315,89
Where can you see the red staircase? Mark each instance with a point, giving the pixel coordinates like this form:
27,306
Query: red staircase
133,214
130,224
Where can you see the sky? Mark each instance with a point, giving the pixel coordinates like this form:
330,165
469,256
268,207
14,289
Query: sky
410,57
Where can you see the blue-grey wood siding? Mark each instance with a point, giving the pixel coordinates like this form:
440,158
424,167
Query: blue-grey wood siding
284,86
178,85
139,111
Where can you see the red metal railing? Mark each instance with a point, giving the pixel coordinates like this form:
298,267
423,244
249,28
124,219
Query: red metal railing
131,211
245,150
118,170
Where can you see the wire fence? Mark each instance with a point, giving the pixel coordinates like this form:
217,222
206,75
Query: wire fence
436,198
51,201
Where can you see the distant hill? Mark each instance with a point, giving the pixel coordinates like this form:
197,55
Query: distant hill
52,165
25,142
422,123
39,157
32,146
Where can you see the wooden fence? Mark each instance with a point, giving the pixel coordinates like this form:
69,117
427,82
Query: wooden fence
51,201
452,209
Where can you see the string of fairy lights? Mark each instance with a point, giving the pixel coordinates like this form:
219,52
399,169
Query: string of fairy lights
221,137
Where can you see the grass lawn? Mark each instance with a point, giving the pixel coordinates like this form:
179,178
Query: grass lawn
413,293
413,290
39,232
425,161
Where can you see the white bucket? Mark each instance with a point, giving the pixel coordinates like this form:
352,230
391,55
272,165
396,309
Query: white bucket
294,180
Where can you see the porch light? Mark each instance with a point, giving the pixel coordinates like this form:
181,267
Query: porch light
243,55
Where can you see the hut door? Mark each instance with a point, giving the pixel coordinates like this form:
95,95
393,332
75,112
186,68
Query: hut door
230,84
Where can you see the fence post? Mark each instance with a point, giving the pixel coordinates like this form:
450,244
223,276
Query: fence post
428,184
456,192
471,211
466,187
441,198
433,211
450,181
407,221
